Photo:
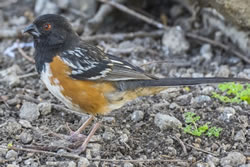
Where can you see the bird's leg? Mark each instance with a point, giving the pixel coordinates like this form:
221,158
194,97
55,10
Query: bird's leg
76,135
86,141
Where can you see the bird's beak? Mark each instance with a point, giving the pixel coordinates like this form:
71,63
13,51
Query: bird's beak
32,29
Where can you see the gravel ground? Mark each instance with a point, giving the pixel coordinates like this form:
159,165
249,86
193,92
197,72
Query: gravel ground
144,132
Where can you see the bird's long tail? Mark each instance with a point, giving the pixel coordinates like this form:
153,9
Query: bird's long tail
189,81
132,89
131,85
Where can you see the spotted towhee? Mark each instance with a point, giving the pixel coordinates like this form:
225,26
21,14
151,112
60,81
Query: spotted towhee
88,80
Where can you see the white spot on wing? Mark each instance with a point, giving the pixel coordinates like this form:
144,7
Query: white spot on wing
115,61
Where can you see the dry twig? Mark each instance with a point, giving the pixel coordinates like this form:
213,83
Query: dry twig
28,75
182,144
133,13
216,155
123,36
75,156
20,50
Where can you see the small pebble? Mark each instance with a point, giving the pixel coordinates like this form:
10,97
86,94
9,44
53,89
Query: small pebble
13,127
137,115
212,161
25,123
174,41
29,111
110,120
13,102
206,52
233,159
224,71
128,164
201,100
83,162
173,106
26,138
44,108
171,151
184,99
227,113
108,136
164,121
240,136
207,90
1,112
11,155
124,138
95,149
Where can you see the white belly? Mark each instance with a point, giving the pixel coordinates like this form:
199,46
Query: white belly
55,88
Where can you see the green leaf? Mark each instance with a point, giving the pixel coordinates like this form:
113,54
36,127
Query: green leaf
214,131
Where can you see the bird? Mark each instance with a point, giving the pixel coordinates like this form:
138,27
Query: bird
88,80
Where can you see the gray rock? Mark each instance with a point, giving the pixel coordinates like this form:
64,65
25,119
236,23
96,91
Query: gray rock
172,151
1,112
10,76
12,165
137,115
227,113
31,162
174,41
169,141
45,7
26,138
201,164
95,149
200,100
29,111
107,135
63,4
17,21
124,138
45,108
212,161
164,121
184,99
245,165
71,164
25,123
128,164
240,136
13,127
87,7
11,155
83,162
224,71
233,159
207,90
13,102
206,52
109,119
173,106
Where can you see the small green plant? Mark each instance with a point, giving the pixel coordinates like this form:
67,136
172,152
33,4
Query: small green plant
192,128
233,93
214,131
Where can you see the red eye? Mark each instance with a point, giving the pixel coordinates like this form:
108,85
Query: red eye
47,27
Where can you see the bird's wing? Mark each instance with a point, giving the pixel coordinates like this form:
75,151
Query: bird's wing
88,62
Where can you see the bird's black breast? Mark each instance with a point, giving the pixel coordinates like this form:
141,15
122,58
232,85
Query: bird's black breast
42,57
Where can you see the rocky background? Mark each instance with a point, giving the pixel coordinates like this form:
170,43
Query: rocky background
178,39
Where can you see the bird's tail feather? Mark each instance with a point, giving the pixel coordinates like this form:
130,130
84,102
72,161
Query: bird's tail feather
189,81
134,84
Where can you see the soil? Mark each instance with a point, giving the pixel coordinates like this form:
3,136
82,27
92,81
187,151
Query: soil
121,137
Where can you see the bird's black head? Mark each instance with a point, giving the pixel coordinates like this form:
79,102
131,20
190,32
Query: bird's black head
51,31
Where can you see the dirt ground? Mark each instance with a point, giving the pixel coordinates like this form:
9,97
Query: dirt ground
31,122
